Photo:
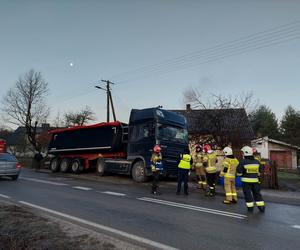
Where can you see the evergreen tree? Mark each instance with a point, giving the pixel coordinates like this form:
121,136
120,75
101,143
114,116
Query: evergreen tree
264,122
290,126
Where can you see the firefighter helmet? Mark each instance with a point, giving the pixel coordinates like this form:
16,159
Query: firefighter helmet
247,151
227,151
206,148
157,149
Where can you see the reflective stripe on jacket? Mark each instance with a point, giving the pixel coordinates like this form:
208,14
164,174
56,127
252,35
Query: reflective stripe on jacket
249,170
185,162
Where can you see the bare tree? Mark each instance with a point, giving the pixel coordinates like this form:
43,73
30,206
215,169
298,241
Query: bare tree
24,104
219,101
79,118
216,117
58,121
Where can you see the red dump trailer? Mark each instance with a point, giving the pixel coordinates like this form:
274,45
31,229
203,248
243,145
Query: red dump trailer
78,148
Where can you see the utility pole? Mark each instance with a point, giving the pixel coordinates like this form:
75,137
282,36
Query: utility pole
109,100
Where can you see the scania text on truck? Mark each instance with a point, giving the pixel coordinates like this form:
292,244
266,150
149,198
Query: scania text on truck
116,147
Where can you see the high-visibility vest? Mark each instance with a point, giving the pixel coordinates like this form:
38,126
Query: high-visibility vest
185,162
156,162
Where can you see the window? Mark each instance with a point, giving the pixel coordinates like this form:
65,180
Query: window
139,132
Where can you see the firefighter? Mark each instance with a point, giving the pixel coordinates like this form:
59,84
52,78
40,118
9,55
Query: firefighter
157,168
198,166
184,167
209,162
229,172
249,169
220,158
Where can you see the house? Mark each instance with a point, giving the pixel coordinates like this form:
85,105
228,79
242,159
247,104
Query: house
18,144
283,154
225,126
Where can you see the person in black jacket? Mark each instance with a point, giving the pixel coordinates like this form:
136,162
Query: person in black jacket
156,168
249,169
37,160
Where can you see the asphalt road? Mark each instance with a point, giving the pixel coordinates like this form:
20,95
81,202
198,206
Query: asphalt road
121,208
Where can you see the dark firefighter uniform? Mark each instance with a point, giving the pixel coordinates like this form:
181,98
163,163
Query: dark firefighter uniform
184,167
156,167
249,170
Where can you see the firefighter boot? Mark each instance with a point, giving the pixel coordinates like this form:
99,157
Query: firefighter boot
158,191
261,208
154,189
250,209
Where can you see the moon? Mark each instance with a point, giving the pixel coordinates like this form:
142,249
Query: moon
71,64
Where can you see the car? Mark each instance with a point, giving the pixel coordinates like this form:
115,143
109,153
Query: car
9,166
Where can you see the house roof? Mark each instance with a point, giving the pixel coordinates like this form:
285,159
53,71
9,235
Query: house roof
18,136
266,138
231,122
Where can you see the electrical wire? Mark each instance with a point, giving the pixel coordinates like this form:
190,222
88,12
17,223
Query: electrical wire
264,36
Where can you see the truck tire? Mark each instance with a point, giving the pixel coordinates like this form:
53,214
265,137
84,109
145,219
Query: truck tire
138,172
54,164
76,166
64,165
100,167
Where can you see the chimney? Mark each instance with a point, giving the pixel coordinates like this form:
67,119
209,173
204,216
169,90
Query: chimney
45,126
188,107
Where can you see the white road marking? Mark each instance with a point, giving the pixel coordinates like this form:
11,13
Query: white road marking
296,226
113,193
195,208
5,196
83,188
43,181
102,227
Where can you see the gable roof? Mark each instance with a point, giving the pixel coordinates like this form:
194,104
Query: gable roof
266,138
230,122
18,136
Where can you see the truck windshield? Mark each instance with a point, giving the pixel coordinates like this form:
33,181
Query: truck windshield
166,132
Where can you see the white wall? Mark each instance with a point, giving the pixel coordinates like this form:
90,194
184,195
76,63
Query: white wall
264,147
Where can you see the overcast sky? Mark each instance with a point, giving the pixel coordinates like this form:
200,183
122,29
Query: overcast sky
76,43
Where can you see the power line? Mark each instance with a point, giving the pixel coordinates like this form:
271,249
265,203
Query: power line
219,46
259,40
259,43
267,35
212,58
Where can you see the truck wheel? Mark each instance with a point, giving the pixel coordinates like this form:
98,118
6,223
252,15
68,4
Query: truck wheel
64,165
138,172
100,167
76,166
54,164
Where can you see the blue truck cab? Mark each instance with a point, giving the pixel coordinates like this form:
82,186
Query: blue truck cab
148,127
